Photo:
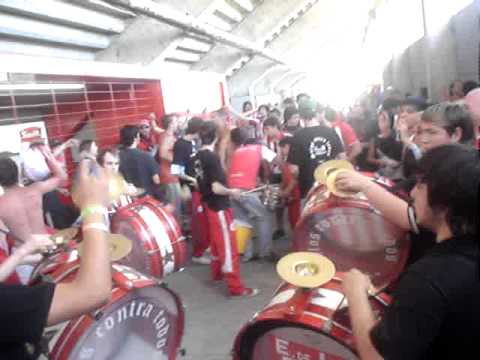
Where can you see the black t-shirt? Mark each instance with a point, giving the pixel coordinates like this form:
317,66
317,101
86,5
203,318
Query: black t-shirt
208,169
311,147
138,168
435,312
23,316
182,152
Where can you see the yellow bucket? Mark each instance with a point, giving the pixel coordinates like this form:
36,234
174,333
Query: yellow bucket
243,233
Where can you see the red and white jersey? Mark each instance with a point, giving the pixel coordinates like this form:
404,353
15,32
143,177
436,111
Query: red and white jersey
245,164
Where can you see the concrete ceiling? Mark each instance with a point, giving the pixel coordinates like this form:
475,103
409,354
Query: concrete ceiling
102,30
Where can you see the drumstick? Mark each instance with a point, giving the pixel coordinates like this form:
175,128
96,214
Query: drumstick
327,326
254,190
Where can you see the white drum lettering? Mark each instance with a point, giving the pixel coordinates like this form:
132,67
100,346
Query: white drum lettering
159,315
109,323
281,347
160,324
163,331
122,314
99,332
139,308
161,343
148,310
132,308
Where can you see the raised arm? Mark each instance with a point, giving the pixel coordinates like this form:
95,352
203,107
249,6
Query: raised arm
92,285
392,207
59,175
28,252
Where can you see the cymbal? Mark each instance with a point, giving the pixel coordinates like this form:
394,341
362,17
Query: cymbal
323,170
330,183
64,236
118,247
116,188
306,269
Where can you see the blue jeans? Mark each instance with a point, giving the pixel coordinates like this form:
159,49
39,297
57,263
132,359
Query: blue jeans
250,209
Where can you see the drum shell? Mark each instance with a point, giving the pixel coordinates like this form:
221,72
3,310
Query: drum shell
127,289
158,245
352,234
295,308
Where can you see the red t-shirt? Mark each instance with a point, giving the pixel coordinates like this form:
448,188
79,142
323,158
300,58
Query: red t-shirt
244,166
287,178
346,133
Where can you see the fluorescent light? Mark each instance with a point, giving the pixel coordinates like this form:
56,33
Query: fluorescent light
193,44
246,4
41,86
184,55
218,23
229,11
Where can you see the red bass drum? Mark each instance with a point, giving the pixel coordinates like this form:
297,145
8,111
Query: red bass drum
143,320
301,324
353,234
159,248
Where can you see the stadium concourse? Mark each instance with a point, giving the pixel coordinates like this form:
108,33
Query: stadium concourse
239,179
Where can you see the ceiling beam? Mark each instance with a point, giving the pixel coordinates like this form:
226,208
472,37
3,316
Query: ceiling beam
40,31
103,7
189,23
63,13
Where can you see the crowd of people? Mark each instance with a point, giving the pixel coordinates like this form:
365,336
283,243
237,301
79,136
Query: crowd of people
210,172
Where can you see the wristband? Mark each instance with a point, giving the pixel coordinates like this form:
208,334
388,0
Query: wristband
412,219
94,209
96,226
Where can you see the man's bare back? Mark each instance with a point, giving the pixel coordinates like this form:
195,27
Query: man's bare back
21,211
21,207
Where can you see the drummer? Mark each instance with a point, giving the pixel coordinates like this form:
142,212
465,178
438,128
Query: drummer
26,310
434,313
245,165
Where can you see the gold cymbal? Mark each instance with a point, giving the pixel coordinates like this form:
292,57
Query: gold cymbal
116,188
118,246
64,236
306,269
323,170
331,180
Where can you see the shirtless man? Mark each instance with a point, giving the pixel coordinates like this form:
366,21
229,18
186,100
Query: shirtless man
21,207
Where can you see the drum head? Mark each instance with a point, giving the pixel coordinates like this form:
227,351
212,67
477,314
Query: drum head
353,236
277,340
145,324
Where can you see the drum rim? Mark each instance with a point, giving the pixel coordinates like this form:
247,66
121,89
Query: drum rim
82,323
245,342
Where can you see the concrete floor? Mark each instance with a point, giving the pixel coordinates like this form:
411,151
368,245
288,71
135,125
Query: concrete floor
212,319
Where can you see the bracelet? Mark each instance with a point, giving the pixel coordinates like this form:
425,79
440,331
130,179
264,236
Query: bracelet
412,219
96,226
93,209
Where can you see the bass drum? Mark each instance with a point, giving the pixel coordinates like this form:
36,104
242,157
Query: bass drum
159,248
143,320
351,233
303,324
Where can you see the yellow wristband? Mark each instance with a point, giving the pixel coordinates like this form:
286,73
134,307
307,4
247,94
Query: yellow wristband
94,209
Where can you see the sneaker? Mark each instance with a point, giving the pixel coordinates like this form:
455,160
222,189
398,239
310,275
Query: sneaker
248,259
247,292
202,260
